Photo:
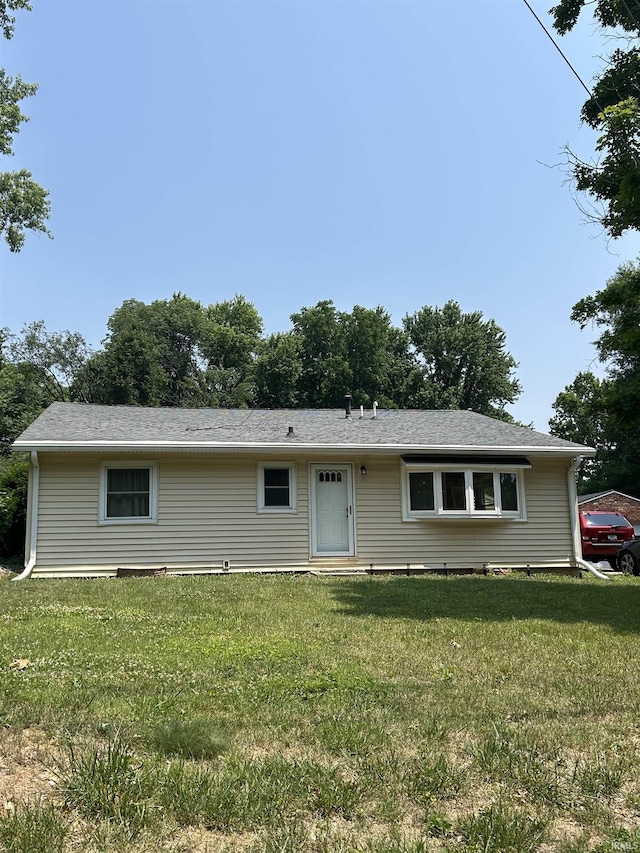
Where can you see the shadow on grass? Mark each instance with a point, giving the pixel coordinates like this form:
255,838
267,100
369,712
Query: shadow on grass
493,599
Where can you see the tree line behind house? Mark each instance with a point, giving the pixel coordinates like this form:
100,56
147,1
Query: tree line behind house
179,352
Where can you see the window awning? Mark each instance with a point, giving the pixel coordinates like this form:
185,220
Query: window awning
468,461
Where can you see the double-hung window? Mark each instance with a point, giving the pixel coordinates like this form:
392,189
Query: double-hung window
128,493
453,490
276,487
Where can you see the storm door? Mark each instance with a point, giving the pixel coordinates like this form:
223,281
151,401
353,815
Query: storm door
332,516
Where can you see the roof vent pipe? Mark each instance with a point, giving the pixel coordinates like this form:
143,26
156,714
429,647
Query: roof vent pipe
290,431
375,408
347,405
361,412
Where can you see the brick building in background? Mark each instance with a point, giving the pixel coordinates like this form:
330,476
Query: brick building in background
613,501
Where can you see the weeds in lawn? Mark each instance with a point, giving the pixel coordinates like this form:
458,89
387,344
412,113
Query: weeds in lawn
108,783
502,829
289,839
396,844
516,756
33,828
189,792
600,779
433,777
438,825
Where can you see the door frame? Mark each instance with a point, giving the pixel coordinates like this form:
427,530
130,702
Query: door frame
351,527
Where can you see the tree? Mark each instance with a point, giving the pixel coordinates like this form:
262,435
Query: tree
24,204
616,310
326,375
36,369
176,352
359,353
14,476
613,109
150,356
278,371
54,361
379,359
582,416
231,341
462,362
442,358
20,400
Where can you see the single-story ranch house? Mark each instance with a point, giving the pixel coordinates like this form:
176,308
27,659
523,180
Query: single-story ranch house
205,490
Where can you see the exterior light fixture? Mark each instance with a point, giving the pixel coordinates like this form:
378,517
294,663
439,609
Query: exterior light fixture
363,470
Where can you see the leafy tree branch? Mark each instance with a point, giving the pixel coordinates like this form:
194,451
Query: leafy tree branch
24,204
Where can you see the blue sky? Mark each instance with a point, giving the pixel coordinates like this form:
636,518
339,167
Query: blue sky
373,153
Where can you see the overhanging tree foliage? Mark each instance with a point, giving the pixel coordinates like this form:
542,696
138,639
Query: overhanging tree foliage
24,204
613,179
607,414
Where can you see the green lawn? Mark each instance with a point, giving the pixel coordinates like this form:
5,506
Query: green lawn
277,714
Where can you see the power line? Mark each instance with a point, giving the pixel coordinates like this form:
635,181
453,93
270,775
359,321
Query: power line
557,47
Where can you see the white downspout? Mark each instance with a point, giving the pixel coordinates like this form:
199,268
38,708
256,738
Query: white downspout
573,505
32,516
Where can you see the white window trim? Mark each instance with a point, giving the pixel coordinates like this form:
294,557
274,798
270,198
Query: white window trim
409,514
293,492
152,518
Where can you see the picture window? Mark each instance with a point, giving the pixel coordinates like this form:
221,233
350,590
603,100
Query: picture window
449,492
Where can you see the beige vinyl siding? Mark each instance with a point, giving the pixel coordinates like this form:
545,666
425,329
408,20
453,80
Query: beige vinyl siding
383,536
207,513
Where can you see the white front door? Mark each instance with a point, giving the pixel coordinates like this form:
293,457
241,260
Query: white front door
332,527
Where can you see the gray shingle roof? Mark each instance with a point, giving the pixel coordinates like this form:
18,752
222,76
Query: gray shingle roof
82,426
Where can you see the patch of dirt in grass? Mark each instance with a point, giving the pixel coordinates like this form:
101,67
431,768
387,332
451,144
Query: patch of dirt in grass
565,831
23,776
198,840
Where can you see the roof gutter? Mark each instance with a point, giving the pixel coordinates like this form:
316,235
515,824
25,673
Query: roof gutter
289,447
575,524
32,515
